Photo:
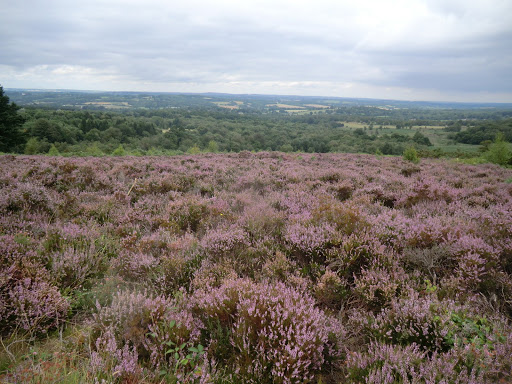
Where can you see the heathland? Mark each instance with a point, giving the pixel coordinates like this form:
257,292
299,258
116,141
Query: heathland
256,266
265,267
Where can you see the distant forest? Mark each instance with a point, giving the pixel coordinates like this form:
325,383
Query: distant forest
151,124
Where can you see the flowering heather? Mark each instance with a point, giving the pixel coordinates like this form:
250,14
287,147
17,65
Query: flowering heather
139,319
283,267
269,331
31,305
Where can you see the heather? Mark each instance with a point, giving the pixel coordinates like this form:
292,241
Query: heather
254,268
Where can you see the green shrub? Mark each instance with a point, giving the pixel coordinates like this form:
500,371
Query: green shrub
119,151
499,151
410,154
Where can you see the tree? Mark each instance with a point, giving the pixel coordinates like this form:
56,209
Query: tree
410,154
11,137
499,151
53,151
213,146
421,139
119,151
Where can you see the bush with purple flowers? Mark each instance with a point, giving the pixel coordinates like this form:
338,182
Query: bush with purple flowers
266,332
284,268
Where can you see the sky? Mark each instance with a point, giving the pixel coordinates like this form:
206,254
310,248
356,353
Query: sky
438,50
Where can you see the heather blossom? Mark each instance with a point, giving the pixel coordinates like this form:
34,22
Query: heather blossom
285,268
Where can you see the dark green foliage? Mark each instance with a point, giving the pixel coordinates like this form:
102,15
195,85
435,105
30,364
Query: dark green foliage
173,124
11,137
488,131
421,139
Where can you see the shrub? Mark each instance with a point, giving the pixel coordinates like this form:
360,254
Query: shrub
265,332
424,321
28,301
33,306
330,289
410,154
277,267
119,151
378,286
357,252
309,241
135,265
72,268
140,319
53,151
499,151
224,241
389,364
107,360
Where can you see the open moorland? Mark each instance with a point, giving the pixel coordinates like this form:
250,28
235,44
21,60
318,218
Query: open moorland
254,268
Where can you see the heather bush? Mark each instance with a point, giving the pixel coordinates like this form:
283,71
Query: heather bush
424,321
72,268
59,238
378,286
357,252
260,220
28,197
141,321
174,272
265,332
346,217
342,190
277,267
427,189
330,290
28,301
108,361
162,184
135,266
309,242
213,274
187,214
228,241
389,364
433,263
30,305
416,261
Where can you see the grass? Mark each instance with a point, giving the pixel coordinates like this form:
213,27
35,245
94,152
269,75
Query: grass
285,106
226,104
60,358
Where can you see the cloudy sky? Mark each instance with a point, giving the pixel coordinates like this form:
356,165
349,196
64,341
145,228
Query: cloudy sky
453,50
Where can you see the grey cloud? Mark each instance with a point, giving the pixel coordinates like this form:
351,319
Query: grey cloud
158,42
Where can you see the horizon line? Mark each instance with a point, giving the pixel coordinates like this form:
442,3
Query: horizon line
259,94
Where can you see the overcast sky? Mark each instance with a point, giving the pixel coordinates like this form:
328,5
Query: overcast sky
452,50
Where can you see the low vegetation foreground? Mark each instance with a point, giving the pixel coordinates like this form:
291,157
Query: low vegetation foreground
254,268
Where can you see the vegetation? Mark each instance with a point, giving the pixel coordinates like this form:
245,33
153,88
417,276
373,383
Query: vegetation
262,268
11,137
499,152
254,123
253,255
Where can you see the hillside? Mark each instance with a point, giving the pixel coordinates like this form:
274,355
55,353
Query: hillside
263,268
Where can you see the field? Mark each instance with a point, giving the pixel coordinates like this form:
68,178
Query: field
227,104
109,105
254,268
285,106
